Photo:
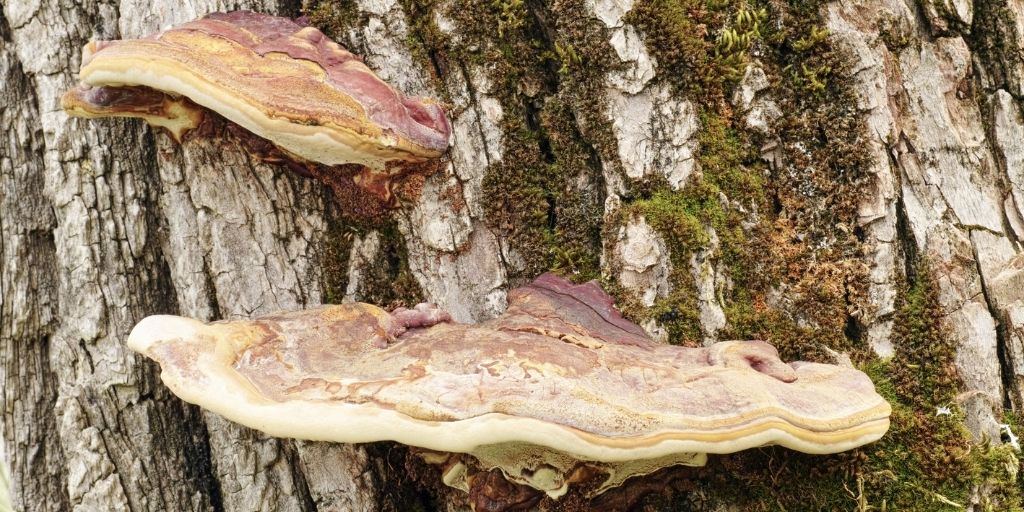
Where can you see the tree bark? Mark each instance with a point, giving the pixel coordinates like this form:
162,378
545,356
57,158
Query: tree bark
105,222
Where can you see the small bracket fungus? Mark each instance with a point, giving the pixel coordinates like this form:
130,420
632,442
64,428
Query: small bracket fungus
276,78
558,390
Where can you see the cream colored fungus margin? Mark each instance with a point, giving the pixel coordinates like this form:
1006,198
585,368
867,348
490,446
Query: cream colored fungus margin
227,393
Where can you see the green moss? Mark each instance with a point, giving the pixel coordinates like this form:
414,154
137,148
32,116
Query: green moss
781,231
926,462
427,43
924,351
896,32
388,283
333,257
720,199
511,15
928,458
545,194
995,40
335,18
821,131
695,43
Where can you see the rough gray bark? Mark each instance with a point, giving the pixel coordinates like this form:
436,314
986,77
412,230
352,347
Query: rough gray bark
103,223
948,150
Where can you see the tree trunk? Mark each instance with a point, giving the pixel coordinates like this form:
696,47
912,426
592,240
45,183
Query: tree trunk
847,179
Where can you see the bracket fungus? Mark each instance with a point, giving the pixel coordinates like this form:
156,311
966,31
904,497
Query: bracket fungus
560,389
316,103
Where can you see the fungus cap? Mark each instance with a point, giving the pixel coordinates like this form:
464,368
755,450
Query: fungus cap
275,77
561,371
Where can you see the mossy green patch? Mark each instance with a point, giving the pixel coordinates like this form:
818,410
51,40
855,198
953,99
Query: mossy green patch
686,38
428,44
544,64
717,201
388,282
732,199
896,32
782,212
924,351
333,257
926,462
336,18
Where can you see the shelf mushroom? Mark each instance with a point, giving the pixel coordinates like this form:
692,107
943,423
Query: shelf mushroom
558,389
277,79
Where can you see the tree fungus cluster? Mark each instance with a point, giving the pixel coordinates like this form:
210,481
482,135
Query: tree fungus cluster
558,390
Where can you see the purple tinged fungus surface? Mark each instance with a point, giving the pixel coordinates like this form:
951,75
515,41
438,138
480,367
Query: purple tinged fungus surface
560,385
280,80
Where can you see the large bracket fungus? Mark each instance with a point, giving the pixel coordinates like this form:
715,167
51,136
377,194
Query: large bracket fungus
557,390
277,79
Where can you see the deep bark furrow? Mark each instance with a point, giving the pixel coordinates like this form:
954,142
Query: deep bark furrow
27,297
